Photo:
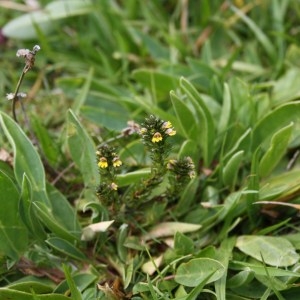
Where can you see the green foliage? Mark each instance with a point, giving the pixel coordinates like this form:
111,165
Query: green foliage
153,152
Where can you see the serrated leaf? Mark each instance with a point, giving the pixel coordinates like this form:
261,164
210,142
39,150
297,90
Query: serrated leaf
274,251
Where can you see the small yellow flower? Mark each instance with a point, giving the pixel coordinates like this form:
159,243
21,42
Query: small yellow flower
117,162
113,186
143,130
156,137
166,125
170,132
103,163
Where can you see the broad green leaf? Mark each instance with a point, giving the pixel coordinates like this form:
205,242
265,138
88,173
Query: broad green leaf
29,285
13,233
196,270
266,127
230,170
281,186
190,126
261,269
243,138
26,159
207,132
82,281
275,251
6,293
49,148
107,114
24,27
65,248
82,150
286,87
156,81
48,219
183,245
63,211
241,278
277,149
132,177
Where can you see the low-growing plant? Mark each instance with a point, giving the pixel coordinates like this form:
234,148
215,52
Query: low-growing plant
183,202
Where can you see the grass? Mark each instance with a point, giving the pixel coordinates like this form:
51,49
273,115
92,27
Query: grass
155,155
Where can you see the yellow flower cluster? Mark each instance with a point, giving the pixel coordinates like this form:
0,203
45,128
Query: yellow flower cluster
103,163
167,128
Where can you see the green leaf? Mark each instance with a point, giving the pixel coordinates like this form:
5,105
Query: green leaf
63,211
132,177
13,233
6,293
27,211
49,148
65,248
277,149
266,127
189,126
230,170
24,27
82,281
260,35
276,251
82,150
26,159
183,245
261,269
121,238
226,110
48,219
76,295
29,285
81,98
207,132
156,81
286,87
196,270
